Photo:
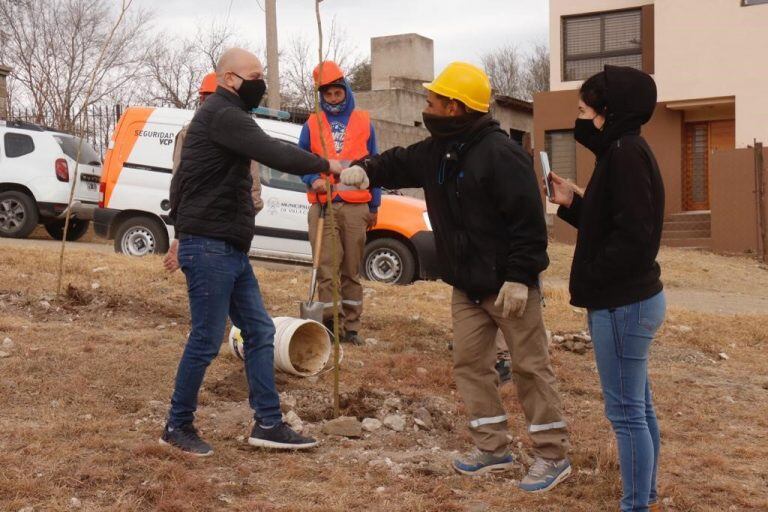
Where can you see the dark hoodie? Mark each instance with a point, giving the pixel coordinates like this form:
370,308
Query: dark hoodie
483,202
621,215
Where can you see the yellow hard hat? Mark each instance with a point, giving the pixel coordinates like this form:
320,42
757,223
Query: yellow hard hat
463,82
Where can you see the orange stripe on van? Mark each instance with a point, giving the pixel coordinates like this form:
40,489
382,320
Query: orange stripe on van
124,140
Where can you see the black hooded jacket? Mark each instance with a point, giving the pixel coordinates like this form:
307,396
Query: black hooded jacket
483,203
621,215
211,190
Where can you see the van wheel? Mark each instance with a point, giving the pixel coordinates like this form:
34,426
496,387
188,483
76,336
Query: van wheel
140,236
77,229
18,214
388,260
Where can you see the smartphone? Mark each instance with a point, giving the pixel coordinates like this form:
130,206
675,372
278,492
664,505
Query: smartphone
545,170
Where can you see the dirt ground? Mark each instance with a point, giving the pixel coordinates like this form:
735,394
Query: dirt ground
85,381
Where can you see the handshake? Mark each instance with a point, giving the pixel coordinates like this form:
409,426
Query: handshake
354,176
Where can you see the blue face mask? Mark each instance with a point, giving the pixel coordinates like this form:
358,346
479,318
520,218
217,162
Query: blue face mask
335,109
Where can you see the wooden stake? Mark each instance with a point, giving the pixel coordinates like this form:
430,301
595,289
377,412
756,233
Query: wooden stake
332,223
762,231
80,133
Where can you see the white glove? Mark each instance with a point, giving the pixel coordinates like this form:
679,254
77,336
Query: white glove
512,299
355,176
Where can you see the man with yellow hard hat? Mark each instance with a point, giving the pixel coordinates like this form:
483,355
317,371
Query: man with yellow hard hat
486,212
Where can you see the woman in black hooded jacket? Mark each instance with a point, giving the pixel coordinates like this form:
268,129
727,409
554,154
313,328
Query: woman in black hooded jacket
614,273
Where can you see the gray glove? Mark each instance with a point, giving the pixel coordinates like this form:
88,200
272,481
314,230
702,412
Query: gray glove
512,299
355,176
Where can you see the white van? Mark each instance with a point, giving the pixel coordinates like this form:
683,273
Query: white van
36,167
134,203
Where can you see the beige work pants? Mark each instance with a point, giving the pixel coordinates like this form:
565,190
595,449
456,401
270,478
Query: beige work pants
351,228
475,327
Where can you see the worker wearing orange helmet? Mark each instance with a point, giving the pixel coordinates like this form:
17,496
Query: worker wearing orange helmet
347,134
486,212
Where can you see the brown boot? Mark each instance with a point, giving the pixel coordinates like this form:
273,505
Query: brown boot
654,507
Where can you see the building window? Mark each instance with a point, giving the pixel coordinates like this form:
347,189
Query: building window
517,135
620,38
561,149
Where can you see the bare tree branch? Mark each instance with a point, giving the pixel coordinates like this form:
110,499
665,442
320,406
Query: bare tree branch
515,74
504,69
297,63
536,77
53,46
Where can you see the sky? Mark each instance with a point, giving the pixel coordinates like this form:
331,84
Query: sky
461,29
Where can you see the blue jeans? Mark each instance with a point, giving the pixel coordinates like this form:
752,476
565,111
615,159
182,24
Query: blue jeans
220,282
622,337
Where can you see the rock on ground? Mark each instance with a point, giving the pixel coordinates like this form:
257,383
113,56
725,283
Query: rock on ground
345,426
293,420
395,422
371,424
423,418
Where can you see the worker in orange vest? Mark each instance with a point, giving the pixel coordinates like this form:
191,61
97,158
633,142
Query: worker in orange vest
348,135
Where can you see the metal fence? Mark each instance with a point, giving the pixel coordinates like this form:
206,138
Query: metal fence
95,125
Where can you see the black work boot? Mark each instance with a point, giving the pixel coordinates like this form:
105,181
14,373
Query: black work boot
186,439
353,338
502,368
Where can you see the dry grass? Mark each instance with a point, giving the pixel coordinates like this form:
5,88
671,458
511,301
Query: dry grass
86,386
683,268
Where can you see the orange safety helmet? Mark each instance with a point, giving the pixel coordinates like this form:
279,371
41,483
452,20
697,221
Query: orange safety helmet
331,73
209,84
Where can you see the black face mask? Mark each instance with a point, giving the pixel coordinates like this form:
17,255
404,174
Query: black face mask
446,127
586,134
251,91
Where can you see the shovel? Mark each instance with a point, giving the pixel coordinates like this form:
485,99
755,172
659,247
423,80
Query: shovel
312,310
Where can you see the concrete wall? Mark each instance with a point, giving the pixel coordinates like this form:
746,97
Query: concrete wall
557,111
734,201
4,107
403,55
512,118
395,105
703,49
390,135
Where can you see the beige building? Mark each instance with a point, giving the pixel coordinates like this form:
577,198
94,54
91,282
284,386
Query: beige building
707,57
4,106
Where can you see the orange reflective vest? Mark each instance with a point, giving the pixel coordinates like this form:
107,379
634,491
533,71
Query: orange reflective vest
355,147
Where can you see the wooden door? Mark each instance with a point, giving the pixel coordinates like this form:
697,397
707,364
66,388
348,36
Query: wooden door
701,140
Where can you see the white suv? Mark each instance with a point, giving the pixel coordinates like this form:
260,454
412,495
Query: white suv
35,168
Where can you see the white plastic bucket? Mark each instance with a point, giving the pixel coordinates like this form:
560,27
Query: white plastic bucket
302,347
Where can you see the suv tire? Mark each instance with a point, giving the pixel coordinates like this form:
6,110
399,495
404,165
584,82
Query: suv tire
18,214
388,260
141,236
77,229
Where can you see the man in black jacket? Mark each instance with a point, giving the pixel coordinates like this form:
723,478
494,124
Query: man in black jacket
213,214
484,206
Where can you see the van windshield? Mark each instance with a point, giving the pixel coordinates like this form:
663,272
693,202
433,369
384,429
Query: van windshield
69,145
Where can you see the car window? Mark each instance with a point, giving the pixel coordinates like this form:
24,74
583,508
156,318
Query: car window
278,179
18,144
69,145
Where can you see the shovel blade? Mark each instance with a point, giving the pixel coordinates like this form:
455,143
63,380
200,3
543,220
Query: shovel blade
311,311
